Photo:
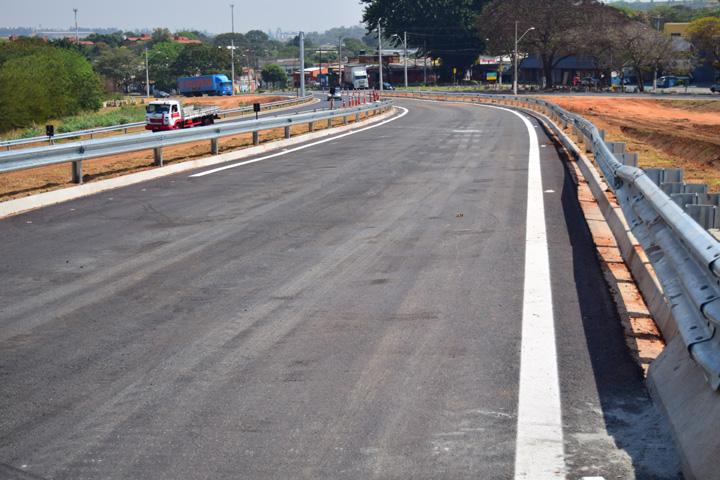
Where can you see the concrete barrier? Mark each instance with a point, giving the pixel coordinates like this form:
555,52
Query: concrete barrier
677,385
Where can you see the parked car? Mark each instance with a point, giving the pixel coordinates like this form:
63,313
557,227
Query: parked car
161,94
334,94
388,86
715,88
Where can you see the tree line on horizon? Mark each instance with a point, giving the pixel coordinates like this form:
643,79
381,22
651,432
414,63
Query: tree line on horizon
42,80
455,32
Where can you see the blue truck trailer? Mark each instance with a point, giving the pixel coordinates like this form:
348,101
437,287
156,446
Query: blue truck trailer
213,85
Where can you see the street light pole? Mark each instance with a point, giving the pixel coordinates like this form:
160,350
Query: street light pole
405,46
380,69
147,74
232,49
340,42
425,63
302,64
515,55
77,32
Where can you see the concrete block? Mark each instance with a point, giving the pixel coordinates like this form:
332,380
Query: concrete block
672,187
702,214
683,199
692,408
657,175
696,188
675,175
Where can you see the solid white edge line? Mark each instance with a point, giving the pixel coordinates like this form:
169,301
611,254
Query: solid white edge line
539,452
301,147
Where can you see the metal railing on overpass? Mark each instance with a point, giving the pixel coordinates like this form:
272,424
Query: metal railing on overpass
8,144
77,152
684,255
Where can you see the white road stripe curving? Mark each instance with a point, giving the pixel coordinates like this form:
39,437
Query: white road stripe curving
539,452
302,147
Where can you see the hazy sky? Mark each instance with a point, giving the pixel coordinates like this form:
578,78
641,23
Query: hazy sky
210,15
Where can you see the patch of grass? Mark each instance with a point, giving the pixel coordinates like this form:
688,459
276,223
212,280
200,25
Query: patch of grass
84,121
117,116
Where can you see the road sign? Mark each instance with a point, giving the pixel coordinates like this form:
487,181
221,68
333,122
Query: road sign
491,76
50,130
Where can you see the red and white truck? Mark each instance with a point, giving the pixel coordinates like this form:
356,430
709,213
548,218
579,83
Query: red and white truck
171,115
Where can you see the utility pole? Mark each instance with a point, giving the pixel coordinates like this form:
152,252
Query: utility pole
515,60
77,32
147,74
320,74
405,45
425,63
302,64
380,69
515,54
340,42
232,49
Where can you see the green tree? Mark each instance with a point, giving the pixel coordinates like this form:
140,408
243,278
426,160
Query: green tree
258,45
111,39
554,36
121,65
224,40
194,35
20,48
274,74
55,83
201,60
352,47
161,60
446,27
644,49
704,33
160,35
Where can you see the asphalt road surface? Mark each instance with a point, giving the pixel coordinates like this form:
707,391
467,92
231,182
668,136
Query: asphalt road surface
357,309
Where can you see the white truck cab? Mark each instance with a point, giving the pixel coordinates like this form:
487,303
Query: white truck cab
171,114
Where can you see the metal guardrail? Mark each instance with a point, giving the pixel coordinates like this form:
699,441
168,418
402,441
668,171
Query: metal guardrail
77,152
126,126
684,255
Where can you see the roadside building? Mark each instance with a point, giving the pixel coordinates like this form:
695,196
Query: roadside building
565,72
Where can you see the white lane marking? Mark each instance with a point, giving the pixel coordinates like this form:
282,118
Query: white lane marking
301,147
539,452
466,131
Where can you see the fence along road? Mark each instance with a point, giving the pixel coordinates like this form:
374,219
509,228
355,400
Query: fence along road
354,309
269,106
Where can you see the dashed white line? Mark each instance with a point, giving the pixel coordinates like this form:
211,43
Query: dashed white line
301,147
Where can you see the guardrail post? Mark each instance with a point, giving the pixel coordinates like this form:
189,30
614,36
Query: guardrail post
311,127
256,138
77,175
345,120
214,146
287,132
329,125
158,155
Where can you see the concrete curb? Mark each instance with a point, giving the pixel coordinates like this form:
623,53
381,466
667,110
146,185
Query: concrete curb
24,204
